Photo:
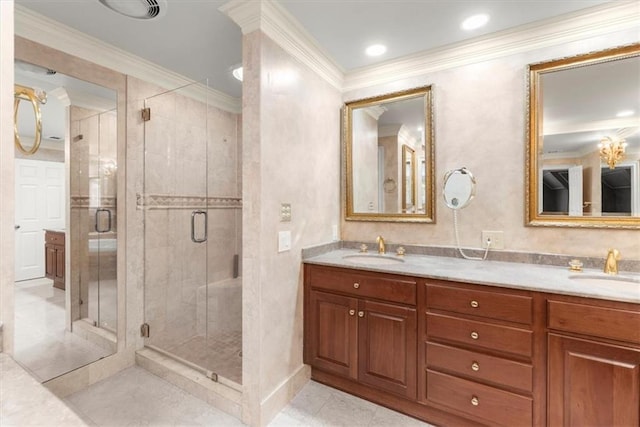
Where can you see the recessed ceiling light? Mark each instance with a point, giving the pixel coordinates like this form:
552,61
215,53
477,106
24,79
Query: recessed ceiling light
475,21
625,113
376,50
138,9
237,73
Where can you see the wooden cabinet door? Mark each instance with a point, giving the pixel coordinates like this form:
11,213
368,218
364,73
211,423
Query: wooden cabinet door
59,276
50,262
334,333
387,355
592,383
59,263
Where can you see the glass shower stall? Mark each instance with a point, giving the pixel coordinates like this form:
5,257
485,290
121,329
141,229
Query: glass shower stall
192,235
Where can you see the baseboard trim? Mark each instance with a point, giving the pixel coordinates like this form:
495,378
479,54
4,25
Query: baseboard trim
282,394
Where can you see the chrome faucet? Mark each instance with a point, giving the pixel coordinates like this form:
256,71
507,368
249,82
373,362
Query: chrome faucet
381,247
611,264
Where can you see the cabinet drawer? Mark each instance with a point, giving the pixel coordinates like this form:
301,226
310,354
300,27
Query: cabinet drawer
496,370
54,238
480,334
385,287
490,304
479,401
602,322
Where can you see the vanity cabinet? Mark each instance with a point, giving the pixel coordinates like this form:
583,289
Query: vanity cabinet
594,363
362,327
54,257
459,354
478,352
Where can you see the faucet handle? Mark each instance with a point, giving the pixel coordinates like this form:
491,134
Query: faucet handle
611,263
363,248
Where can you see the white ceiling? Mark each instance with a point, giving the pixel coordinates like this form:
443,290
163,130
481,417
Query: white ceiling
196,40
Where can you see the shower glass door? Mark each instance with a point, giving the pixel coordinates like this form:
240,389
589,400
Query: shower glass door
94,178
176,226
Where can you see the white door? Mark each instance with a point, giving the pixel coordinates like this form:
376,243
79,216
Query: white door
575,191
40,204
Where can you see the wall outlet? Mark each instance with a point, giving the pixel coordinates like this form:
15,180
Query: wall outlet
284,241
497,239
334,233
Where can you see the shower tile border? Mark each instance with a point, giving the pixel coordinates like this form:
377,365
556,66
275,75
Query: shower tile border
83,202
171,201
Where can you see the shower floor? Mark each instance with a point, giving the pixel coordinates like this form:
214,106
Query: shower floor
220,353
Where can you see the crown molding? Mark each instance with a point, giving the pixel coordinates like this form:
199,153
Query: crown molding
38,28
595,21
276,22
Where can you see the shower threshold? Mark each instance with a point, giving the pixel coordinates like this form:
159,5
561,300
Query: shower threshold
206,372
224,394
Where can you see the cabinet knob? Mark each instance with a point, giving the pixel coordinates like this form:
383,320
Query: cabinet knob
352,312
474,304
361,314
475,366
475,401
356,285
474,335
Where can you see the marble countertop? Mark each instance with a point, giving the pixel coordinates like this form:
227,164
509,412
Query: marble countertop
541,278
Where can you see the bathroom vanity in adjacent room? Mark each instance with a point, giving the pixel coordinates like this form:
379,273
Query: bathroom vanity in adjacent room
468,352
54,257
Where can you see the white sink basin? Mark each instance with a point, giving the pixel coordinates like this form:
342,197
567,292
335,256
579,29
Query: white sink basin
605,279
371,259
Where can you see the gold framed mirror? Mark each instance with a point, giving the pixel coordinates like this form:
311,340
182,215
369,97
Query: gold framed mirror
383,137
583,154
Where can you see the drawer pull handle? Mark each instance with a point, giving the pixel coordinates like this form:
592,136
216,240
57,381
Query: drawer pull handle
352,312
474,335
474,304
356,285
475,366
475,401
361,314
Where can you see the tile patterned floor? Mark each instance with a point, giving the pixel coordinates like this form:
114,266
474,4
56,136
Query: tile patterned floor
219,353
135,397
42,346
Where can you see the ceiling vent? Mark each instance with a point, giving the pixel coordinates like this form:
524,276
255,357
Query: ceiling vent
138,9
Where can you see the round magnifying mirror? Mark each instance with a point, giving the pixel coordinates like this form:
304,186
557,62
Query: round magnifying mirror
459,188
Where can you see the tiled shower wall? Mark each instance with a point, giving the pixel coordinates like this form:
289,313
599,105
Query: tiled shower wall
191,164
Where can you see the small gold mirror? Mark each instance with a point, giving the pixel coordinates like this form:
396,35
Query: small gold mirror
384,139
584,140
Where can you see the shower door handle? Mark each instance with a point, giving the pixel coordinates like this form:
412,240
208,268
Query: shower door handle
97,225
195,214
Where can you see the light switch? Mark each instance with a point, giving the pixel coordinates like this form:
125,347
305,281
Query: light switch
285,212
284,241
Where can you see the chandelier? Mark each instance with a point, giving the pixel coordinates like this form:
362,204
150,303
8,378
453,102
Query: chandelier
612,151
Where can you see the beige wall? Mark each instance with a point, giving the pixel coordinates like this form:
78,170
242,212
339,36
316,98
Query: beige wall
291,140
480,117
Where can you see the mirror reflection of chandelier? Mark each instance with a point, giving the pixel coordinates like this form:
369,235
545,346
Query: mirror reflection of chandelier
612,150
